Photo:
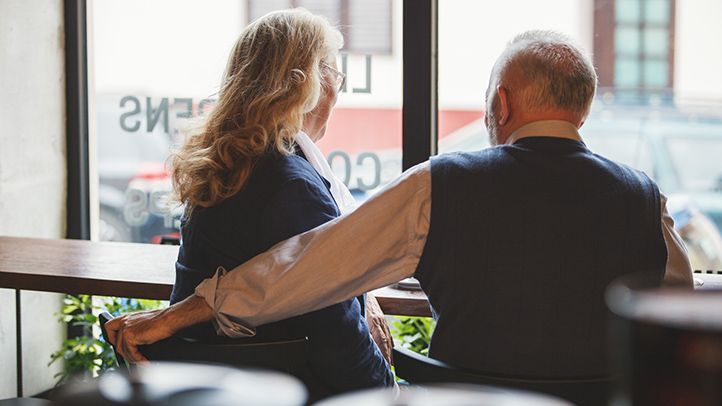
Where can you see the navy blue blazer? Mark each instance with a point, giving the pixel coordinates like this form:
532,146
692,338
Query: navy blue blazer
284,196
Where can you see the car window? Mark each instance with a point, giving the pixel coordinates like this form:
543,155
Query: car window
629,149
696,161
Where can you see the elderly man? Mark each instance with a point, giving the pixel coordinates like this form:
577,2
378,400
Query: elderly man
514,245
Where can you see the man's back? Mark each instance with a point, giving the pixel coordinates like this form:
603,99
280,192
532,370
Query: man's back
523,240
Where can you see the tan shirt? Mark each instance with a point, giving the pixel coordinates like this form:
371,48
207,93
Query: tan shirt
378,244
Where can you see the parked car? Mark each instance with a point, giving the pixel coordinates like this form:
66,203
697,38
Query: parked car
700,235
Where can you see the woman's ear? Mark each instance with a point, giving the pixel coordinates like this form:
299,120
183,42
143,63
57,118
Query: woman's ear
504,107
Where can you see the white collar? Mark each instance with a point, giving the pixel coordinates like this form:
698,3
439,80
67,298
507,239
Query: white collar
343,197
546,128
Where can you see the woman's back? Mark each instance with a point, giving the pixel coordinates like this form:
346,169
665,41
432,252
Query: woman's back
284,196
246,191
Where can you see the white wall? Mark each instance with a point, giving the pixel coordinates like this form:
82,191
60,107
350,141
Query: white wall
698,60
32,174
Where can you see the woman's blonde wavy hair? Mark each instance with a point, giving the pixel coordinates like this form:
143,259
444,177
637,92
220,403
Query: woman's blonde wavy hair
273,77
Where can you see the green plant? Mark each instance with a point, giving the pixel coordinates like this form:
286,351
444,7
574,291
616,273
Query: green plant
88,354
413,333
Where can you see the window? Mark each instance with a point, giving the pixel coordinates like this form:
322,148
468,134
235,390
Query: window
365,24
635,54
156,65
658,106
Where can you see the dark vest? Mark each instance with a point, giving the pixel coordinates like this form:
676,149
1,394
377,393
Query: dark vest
523,241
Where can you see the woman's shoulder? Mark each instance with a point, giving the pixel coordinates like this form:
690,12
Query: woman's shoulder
286,168
291,179
275,177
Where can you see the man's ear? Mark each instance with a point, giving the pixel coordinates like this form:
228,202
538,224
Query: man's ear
504,107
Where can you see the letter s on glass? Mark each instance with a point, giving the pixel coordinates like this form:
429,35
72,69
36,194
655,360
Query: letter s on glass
123,117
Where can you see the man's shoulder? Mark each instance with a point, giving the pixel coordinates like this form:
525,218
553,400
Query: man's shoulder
625,170
469,160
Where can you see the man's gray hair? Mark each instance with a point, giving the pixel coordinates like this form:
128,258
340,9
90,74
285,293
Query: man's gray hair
553,71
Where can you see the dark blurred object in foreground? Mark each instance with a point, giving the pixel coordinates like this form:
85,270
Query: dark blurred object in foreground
667,344
185,384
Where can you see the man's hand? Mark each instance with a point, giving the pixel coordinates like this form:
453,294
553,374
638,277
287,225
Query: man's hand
129,331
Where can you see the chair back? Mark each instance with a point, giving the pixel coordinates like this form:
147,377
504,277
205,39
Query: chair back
289,356
418,369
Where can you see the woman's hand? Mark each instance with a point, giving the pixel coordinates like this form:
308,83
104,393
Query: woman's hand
129,331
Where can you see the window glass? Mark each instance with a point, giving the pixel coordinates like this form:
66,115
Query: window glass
628,11
627,41
656,42
657,11
626,72
655,72
659,98
155,69
697,162
629,149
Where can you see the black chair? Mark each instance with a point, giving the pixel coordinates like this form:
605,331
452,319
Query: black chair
285,356
417,369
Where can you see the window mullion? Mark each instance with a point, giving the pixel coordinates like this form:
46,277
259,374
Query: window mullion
420,101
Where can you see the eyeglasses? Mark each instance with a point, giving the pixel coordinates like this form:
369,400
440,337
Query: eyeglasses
340,76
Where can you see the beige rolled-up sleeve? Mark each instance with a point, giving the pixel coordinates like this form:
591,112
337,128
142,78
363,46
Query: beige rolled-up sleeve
678,271
379,243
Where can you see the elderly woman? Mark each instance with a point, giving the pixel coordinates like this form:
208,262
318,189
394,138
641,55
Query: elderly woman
247,185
